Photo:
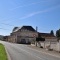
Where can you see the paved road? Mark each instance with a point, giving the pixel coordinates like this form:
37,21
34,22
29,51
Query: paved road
23,52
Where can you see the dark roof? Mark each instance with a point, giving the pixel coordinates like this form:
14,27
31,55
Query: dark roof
30,28
14,29
45,35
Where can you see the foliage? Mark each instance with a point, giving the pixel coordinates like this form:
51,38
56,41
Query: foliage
58,34
52,32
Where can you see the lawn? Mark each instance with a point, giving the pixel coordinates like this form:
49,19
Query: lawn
3,55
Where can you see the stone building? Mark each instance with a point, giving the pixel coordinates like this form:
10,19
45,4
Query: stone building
24,34
47,40
27,34
5,38
48,37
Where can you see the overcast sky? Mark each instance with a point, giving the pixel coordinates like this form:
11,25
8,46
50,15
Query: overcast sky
45,14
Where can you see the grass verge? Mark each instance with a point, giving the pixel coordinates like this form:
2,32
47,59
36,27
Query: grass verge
3,55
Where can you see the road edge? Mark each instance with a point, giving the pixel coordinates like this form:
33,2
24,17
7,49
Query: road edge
8,56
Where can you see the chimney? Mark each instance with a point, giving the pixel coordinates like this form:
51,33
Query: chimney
36,29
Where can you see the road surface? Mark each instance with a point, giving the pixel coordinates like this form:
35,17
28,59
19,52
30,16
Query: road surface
23,52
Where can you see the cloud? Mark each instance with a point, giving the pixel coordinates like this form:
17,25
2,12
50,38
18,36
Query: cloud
23,6
34,3
35,13
26,5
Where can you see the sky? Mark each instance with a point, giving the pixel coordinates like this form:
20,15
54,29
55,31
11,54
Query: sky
45,14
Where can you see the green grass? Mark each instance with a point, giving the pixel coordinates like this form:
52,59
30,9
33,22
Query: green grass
3,55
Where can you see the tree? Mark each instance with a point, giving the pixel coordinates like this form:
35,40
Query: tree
52,32
58,34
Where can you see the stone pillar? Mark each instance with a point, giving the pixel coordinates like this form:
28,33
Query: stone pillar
50,44
44,44
36,43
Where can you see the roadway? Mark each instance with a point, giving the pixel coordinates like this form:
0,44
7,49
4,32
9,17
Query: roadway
23,52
